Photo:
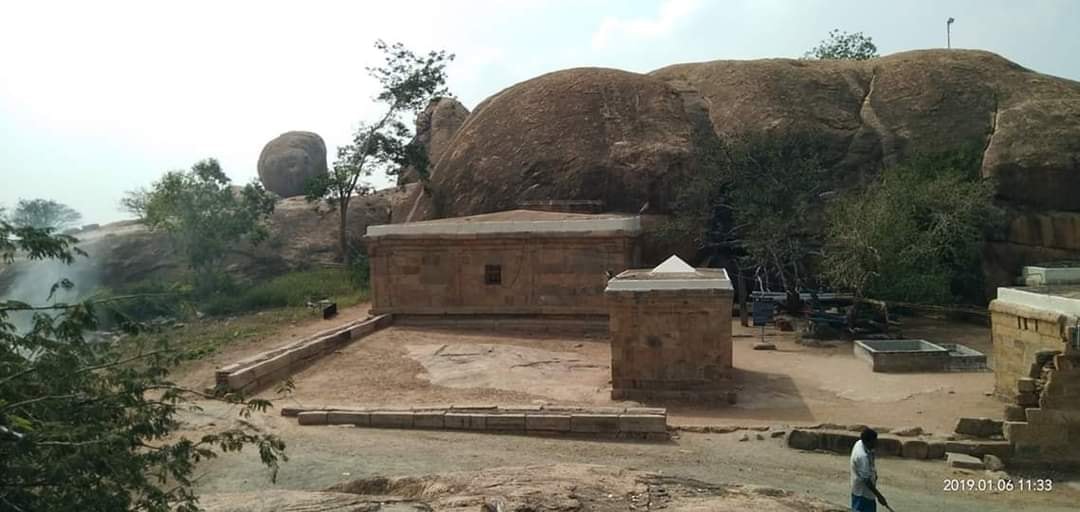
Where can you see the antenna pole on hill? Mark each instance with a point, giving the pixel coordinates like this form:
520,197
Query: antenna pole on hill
948,32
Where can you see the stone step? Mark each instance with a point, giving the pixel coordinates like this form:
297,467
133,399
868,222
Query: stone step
963,461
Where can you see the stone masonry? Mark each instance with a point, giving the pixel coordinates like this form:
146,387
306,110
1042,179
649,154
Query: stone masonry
509,263
670,333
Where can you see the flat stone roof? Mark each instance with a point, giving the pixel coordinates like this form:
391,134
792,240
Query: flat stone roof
1063,299
515,221
672,274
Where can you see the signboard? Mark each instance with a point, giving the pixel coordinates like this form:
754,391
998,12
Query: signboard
763,312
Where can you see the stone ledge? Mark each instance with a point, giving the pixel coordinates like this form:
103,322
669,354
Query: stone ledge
260,370
633,422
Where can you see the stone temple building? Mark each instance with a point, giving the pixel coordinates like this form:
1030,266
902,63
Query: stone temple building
518,262
670,331
1036,336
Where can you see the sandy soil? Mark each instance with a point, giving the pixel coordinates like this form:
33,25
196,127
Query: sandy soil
320,457
795,384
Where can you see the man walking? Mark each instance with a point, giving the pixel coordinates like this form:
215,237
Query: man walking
864,474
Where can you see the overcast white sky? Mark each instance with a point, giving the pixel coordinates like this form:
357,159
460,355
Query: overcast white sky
101,97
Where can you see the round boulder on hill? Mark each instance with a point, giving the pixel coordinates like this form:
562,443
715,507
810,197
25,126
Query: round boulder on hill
287,162
587,133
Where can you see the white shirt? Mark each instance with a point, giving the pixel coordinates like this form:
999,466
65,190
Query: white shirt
862,468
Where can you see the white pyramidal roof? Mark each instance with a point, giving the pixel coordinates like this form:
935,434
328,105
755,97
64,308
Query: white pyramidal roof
673,265
672,274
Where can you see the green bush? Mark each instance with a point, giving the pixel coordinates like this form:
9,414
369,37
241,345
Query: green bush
292,289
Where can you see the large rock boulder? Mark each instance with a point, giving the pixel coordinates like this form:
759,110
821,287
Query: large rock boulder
592,134
289,160
624,138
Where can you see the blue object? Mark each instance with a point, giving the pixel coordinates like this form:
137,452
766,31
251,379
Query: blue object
763,312
863,504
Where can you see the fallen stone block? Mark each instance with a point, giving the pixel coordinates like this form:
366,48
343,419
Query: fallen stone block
804,440
1001,449
915,449
291,412
978,427
777,433
764,346
547,422
505,422
1025,385
311,418
963,461
993,462
391,419
642,423
659,411
594,423
358,418
428,419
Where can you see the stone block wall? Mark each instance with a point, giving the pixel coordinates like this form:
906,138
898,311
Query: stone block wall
1019,333
671,344
1050,432
541,273
632,422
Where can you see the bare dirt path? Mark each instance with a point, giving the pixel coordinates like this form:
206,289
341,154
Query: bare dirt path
322,456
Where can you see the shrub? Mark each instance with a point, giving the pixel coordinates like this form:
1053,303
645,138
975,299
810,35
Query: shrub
292,289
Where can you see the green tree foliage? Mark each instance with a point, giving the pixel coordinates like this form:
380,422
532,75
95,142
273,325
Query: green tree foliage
844,46
85,425
408,83
915,235
758,196
44,213
204,215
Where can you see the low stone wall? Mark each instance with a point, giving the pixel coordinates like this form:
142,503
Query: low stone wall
841,442
1049,429
259,371
634,422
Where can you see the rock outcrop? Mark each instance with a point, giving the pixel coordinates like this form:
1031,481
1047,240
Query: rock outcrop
625,138
289,160
435,127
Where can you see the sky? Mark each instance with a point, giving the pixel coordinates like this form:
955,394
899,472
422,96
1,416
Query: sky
97,98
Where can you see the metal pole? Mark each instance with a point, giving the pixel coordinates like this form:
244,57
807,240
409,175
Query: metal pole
948,32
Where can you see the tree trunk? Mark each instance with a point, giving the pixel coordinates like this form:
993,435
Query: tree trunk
744,303
343,230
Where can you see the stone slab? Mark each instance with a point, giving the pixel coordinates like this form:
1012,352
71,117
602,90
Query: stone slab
311,418
547,422
391,419
963,461
804,440
978,427
358,418
465,421
915,449
429,419
594,423
642,423
505,422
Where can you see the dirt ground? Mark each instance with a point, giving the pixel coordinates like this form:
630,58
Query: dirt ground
794,384
320,457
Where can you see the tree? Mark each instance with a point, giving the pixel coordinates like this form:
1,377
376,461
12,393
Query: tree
204,215
86,425
758,196
844,46
409,82
915,235
44,213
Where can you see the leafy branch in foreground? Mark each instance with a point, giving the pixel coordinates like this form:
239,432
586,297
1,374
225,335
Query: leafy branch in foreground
86,425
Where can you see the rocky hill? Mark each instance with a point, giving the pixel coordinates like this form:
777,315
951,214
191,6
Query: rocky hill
624,138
